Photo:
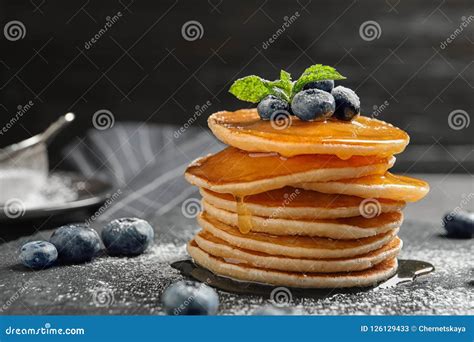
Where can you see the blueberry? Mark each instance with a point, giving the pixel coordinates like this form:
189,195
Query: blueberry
312,104
127,236
326,85
271,310
75,243
190,298
270,105
347,103
459,224
38,254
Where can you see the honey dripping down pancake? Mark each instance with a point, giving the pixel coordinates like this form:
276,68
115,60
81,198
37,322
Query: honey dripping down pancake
294,246
343,228
362,136
294,203
241,173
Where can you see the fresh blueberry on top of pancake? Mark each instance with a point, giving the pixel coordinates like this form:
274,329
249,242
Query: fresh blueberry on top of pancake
190,298
310,95
347,103
326,85
459,224
313,104
271,106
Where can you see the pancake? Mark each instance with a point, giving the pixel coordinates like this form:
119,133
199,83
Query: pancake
293,203
219,248
390,186
362,136
364,278
241,173
294,246
343,228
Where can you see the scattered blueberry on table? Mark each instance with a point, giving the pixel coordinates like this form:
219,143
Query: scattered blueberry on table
313,104
38,254
190,298
459,224
270,105
75,243
326,85
127,236
347,103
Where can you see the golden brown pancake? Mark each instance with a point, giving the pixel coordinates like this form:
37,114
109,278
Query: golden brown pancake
364,278
220,248
294,203
241,173
362,136
343,228
390,186
294,245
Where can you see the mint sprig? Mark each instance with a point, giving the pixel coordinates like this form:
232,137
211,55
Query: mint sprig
284,84
254,88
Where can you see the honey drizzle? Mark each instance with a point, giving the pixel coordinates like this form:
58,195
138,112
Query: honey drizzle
244,216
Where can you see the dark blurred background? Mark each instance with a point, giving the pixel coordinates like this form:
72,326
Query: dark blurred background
411,66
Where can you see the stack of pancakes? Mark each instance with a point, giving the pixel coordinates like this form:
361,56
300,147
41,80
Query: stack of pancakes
304,204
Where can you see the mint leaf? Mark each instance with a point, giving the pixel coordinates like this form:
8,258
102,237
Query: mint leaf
251,89
315,73
284,85
254,88
285,76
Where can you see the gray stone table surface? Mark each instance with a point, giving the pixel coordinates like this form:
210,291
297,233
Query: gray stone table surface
111,285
